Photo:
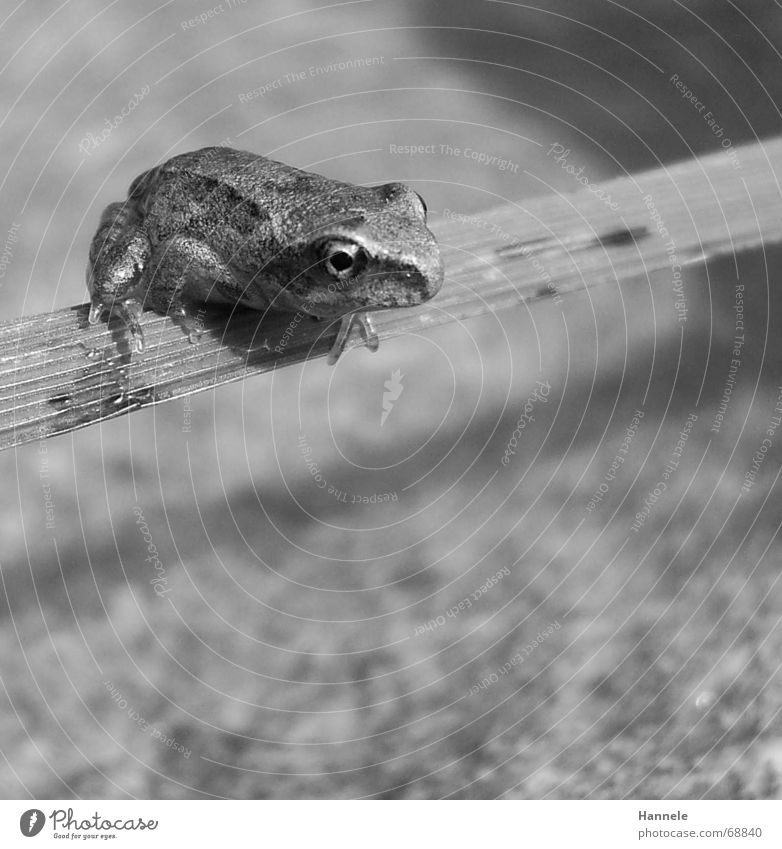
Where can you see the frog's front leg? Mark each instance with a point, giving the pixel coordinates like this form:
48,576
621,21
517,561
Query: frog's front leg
365,324
184,274
119,254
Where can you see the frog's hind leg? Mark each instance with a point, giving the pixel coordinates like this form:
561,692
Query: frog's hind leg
184,274
117,262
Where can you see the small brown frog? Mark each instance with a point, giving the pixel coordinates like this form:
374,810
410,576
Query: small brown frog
226,226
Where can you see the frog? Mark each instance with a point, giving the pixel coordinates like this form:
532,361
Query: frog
226,226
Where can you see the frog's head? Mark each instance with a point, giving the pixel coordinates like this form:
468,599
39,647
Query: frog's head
380,254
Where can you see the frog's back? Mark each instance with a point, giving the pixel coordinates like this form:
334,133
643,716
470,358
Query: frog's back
242,202
249,175
220,162
241,190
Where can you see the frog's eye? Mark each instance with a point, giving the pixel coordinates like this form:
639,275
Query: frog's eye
343,259
423,203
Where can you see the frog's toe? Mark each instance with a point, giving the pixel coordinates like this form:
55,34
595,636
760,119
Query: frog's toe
194,333
368,331
96,311
189,319
130,312
342,337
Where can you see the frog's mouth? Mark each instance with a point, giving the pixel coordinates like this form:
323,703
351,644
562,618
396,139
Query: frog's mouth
383,290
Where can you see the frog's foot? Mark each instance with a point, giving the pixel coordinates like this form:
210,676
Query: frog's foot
128,310
119,253
190,320
185,313
364,321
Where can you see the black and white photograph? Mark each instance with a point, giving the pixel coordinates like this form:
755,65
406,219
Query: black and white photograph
391,409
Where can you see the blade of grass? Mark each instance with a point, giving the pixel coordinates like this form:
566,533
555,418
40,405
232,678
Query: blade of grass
58,373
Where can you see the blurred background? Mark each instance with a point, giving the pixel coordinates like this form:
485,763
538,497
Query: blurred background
272,590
